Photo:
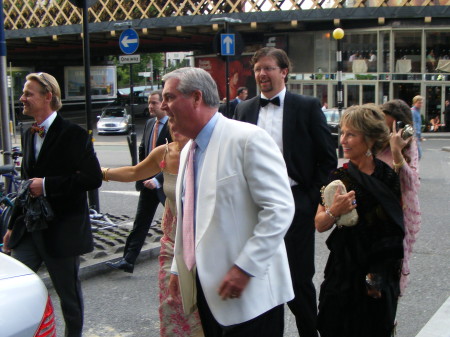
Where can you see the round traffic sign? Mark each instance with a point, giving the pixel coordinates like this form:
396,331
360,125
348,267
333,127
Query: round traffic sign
129,41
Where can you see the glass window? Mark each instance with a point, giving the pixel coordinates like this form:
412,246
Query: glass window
407,51
322,52
308,90
437,52
352,95
322,94
300,53
358,47
383,92
368,94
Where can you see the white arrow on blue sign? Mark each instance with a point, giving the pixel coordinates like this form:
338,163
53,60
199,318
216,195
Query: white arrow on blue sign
227,43
129,41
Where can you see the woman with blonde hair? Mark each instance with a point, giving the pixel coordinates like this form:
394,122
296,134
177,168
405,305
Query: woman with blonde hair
359,294
165,158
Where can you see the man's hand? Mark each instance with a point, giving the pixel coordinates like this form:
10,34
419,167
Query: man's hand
174,287
233,283
149,184
5,248
37,187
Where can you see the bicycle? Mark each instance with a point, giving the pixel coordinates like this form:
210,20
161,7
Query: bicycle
8,192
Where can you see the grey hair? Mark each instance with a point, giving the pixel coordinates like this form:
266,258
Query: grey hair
192,79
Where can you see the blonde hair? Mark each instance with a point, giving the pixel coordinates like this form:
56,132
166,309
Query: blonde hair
48,84
417,99
369,120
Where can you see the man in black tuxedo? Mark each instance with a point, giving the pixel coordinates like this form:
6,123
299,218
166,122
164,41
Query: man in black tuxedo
156,132
60,161
298,126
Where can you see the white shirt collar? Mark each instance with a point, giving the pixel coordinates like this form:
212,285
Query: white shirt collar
49,121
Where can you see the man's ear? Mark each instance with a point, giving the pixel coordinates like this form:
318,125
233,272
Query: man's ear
197,95
48,96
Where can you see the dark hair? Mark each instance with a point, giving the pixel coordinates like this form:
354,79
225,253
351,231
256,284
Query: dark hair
241,89
279,55
399,110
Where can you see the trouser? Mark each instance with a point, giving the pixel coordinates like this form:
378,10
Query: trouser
299,242
146,209
63,272
268,324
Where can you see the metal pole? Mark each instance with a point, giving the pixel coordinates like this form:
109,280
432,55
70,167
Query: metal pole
227,76
13,110
132,137
340,93
94,201
4,115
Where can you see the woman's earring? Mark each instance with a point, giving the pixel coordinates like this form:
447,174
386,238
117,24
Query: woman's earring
368,153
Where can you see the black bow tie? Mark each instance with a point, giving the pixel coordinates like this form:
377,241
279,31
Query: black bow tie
275,101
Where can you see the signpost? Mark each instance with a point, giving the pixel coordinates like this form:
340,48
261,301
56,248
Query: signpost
227,44
129,43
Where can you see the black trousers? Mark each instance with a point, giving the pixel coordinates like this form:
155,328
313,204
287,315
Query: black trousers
146,208
299,242
64,275
269,324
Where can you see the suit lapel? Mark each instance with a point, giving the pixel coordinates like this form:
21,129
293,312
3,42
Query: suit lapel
253,110
288,123
148,140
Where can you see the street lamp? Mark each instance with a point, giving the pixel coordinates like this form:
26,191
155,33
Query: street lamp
338,34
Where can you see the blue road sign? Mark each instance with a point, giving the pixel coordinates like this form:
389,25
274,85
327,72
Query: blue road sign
129,41
227,44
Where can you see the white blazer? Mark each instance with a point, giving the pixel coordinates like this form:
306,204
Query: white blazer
244,208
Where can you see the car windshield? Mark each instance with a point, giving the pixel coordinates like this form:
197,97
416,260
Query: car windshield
332,116
113,113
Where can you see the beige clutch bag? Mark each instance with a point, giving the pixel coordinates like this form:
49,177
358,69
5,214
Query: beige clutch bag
349,219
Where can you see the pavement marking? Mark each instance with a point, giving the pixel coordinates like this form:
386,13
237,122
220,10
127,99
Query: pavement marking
132,193
439,324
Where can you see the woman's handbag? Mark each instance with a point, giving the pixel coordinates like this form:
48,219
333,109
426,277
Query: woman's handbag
348,219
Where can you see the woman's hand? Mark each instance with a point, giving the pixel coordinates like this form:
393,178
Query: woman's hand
397,143
342,203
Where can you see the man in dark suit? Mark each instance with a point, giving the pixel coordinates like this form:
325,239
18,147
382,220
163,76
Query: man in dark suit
60,161
242,94
156,132
298,126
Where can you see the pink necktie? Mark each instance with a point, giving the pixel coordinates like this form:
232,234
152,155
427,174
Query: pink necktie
188,211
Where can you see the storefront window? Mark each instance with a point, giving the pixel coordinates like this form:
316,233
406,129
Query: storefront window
407,52
352,95
322,93
368,94
437,52
359,52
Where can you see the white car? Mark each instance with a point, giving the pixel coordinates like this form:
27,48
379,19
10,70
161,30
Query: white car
25,306
113,120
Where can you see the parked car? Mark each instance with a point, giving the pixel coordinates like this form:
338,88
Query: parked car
25,307
113,120
332,116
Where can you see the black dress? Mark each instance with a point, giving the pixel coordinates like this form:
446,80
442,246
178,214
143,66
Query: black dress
374,245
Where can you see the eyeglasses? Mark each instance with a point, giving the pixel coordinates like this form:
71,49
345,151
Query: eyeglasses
266,69
46,82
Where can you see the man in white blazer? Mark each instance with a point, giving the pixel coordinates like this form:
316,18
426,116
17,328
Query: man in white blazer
243,208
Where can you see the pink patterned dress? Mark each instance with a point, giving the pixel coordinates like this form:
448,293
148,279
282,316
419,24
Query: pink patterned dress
173,321
410,183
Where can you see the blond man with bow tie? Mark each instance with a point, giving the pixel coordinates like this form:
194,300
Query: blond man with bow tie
59,159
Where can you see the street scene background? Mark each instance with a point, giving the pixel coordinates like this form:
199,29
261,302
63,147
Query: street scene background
119,304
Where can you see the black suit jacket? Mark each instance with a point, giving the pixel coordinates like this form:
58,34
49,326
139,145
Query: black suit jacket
70,167
308,148
144,147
